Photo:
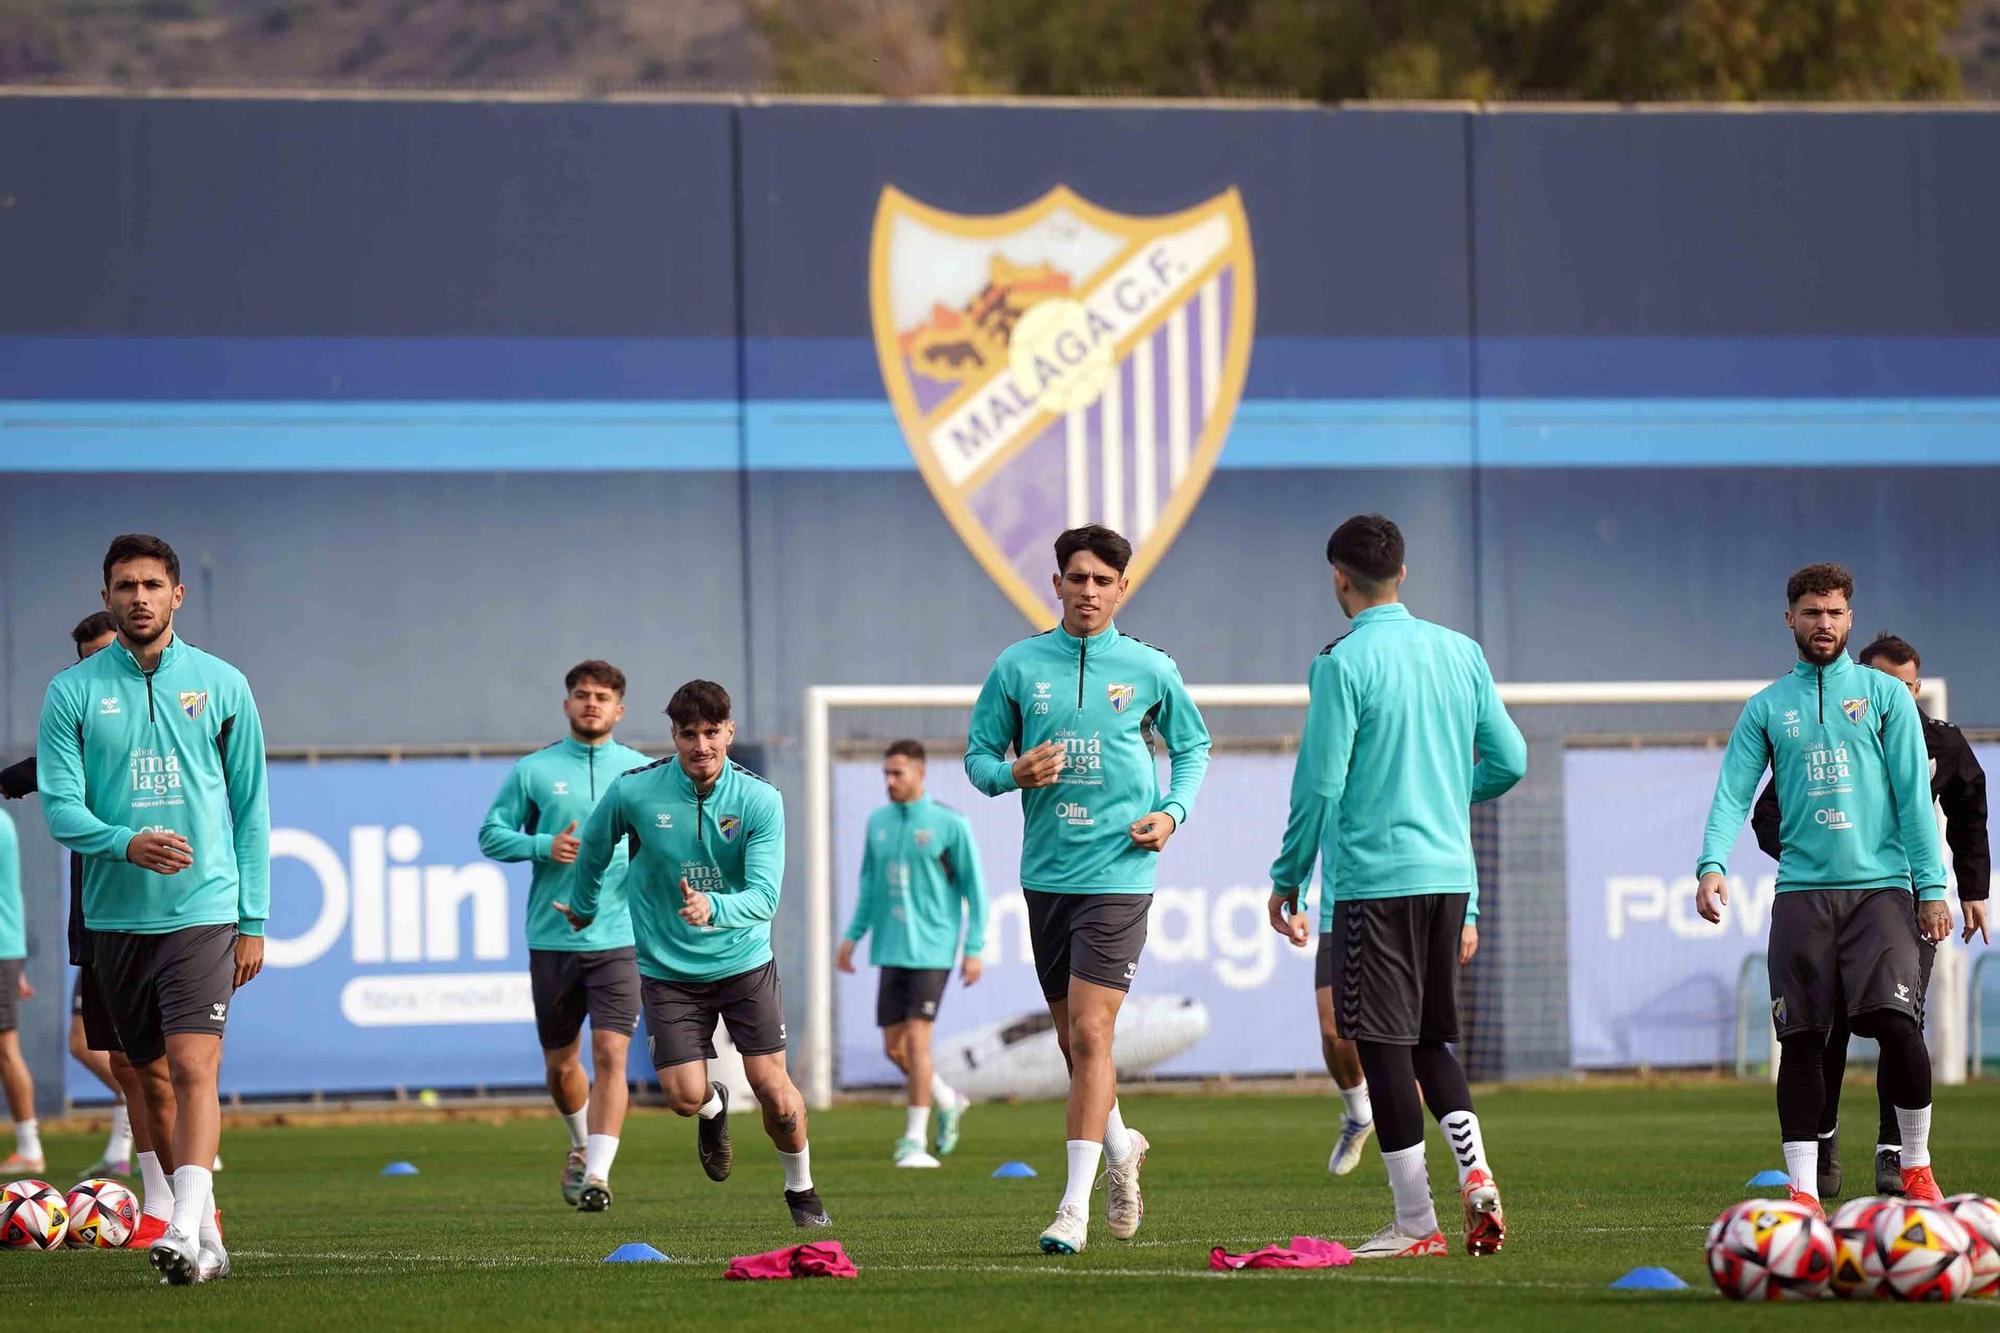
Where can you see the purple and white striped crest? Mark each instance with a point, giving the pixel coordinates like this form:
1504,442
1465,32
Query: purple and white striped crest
1062,365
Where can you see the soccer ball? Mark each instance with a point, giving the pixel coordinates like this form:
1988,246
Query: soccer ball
1925,1252
32,1216
1768,1250
103,1214
1857,1262
1980,1216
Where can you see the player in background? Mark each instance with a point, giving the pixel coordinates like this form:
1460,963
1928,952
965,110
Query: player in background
707,840
1958,787
150,756
1845,747
1078,707
1343,1058
576,974
1382,793
921,887
18,1083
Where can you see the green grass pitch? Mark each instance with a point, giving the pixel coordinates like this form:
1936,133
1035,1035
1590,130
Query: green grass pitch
1596,1181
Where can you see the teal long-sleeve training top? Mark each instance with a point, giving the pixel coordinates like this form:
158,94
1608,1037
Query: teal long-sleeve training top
921,887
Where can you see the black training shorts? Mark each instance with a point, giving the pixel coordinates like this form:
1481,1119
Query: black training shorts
1843,951
157,986
1096,937
905,993
1393,968
680,1015
570,985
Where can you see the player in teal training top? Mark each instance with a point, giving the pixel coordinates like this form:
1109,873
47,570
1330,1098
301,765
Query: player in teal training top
15,1079
921,888
1381,796
150,759
1078,707
707,842
1845,746
576,973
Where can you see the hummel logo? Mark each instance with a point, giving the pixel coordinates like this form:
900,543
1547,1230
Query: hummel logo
216,1011
108,706
1042,689
666,820
1902,992
1131,970
561,789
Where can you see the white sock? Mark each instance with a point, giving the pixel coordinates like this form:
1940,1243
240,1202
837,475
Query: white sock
577,1122
599,1155
1083,1156
1359,1110
159,1195
916,1122
28,1138
1117,1139
1888,1147
1467,1144
118,1147
191,1192
713,1106
1916,1130
1412,1187
798,1169
943,1095
211,1234
1802,1165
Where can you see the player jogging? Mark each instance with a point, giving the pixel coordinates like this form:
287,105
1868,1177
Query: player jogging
575,974
707,840
1078,707
1382,791
920,887
1845,747
151,761
1958,787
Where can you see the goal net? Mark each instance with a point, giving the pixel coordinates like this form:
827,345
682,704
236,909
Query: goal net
1590,955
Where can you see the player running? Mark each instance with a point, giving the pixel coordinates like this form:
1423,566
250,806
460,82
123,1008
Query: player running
92,1040
920,886
1958,787
572,973
707,839
1343,1060
1382,790
151,761
1845,747
1078,707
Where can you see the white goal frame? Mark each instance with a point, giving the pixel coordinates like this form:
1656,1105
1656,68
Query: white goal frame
821,700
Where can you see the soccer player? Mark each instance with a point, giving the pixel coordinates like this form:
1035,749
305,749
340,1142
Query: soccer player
1845,746
19,1084
1382,791
920,886
707,840
1078,707
1958,787
574,974
151,760
1343,1059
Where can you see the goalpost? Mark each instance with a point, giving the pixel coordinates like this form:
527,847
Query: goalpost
821,701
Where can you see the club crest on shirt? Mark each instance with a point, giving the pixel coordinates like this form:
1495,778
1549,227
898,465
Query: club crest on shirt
1120,696
727,826
1856,709
193,702
923,836
1060,363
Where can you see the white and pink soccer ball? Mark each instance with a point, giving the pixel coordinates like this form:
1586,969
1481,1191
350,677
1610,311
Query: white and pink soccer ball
1927,1253
1770,1250
103,1214
1857,1260
1980,1216
33,1216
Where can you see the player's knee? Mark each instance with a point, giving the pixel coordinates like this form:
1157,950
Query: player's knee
685,1101
772,1088
1090,1036
1886,1025
79,1048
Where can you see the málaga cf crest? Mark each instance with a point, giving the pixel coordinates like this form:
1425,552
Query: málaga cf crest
1062,364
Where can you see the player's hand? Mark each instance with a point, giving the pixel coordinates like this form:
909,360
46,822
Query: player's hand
566,845
27,988
164,853
972,969
1711,896
696,909
1039,766
1934,920
1468,942
249,958
1975,919
1288,919
844,960
575,922
1152,831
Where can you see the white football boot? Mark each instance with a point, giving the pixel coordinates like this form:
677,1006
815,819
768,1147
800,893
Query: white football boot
1068,1233
1124,1206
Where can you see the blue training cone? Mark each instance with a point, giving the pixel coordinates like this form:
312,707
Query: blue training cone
1649,1279
400,1169
1013,1171
1766,1178
635,1252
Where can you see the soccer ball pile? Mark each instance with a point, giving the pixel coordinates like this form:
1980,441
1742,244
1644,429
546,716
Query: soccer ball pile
1871,1249
96,1215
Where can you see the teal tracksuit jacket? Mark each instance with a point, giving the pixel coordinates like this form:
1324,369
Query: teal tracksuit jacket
921,886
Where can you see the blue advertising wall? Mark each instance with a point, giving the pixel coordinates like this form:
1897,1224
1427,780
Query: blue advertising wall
437,398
